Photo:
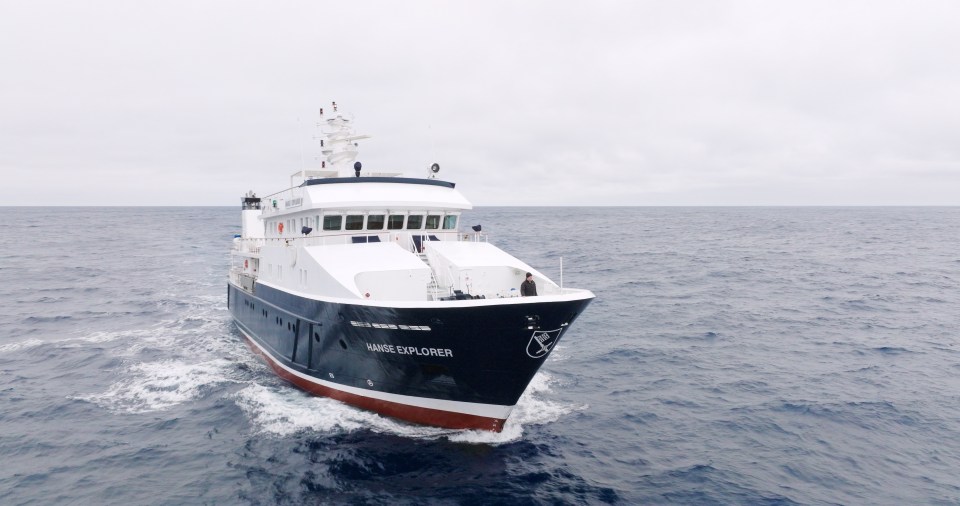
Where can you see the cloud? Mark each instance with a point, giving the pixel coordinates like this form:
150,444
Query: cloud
619,103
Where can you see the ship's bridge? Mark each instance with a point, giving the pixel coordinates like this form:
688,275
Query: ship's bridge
365,205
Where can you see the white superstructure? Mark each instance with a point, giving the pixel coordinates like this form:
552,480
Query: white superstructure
342,234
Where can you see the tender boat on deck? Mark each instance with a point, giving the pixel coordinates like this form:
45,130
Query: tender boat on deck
362,287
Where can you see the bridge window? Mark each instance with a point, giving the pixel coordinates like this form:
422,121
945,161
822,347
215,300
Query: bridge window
414,222
354,222
433,222
332,222
450,222
395,222
375,222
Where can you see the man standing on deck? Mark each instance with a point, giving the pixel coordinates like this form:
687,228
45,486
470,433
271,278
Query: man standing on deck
529,287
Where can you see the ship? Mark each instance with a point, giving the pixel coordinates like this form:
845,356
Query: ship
364,287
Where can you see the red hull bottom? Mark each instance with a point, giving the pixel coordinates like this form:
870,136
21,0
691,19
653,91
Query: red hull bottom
414,414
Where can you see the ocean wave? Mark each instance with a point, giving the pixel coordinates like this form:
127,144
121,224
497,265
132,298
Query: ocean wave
32,320
20,345
160,385
135,336
891,350
761,356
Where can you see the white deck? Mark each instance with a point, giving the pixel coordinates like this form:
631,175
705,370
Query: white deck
382,271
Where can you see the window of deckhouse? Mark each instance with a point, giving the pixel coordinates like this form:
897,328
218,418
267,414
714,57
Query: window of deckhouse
414,222
450,222
433,222
354,222
395,222
332,222
375,222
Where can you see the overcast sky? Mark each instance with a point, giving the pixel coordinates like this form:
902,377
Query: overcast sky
521,103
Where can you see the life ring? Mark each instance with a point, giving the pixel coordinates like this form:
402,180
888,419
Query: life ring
280,227
246,264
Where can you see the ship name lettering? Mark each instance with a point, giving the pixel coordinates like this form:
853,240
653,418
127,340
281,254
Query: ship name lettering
410,350
382,348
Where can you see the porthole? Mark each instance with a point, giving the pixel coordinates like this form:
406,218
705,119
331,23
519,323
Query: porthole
343,344
316,337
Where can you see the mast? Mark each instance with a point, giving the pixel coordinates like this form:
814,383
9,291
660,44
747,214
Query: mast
340,145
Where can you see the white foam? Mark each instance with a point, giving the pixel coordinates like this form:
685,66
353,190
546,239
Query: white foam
135,335
69,342
532,409
200,330
159,385
19,345
284,411
559,354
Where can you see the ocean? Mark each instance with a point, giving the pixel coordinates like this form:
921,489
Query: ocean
732,356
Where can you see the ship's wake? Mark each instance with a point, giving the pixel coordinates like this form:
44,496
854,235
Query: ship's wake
199,353
285,411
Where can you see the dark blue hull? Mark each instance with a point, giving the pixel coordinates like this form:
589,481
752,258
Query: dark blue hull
458,366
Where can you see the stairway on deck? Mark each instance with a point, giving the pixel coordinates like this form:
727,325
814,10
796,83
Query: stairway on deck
434,292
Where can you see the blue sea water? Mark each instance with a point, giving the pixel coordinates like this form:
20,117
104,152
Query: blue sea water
732,356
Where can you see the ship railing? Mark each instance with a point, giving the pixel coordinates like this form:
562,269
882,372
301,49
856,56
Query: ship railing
242,279
472,237
514,292
251,246
404,237
281,200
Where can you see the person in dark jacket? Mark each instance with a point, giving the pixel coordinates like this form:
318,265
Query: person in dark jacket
529,287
